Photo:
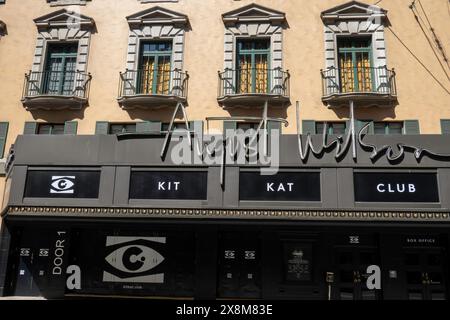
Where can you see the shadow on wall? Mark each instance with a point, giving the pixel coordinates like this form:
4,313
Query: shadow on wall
57,116
161,114
369,113
272,112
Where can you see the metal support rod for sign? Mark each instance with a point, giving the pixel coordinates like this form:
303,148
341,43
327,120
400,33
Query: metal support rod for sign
352,129
170,129
297,114
266,131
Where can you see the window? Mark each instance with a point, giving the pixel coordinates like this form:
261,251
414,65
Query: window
154,72
247,125
3,134
388,127
355,64
52,129
60,69
176,126
117,128
333,127
253,65
445,126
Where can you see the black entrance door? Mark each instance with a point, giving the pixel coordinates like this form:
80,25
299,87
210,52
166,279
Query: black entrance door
239,266
425,274
350,274
23,268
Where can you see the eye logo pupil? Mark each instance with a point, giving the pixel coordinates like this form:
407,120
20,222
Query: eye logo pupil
62,184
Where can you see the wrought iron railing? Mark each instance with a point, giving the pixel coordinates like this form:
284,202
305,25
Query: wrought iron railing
254,81
151,82
378,80
57,83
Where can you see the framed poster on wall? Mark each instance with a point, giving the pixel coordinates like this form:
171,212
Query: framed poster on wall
297,261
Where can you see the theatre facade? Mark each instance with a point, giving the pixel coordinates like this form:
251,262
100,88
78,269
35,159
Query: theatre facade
250,149
136,224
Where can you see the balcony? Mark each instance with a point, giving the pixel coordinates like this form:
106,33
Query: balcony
152,89
253,87
364,86
56,90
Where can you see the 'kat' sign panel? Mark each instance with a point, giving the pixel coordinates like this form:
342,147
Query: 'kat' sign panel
283,186
396,187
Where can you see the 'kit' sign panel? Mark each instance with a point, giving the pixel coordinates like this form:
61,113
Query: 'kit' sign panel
283,186
172,185
62,184
396,187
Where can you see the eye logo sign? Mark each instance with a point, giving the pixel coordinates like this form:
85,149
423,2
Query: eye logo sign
133,260
62,184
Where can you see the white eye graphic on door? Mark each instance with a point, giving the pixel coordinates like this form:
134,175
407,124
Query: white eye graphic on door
134,259
62,184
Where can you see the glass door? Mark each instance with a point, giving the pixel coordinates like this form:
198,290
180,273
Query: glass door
154,74
355,65
350,273
425,275
253,66
59,75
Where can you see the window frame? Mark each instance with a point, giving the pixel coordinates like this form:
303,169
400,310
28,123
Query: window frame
387,127
330,126
123,124
353,51
51,125
253,53
156,55
62,73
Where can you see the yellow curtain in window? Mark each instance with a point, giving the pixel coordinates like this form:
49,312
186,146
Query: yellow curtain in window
245,75
147,76
347,73
163,76
261,74
364,74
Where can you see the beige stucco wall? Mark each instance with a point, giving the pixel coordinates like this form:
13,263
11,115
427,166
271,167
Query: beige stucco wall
420,97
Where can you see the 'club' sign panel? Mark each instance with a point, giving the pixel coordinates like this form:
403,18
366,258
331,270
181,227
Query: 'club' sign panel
396,187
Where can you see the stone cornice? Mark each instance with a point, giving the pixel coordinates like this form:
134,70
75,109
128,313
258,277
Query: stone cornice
239,214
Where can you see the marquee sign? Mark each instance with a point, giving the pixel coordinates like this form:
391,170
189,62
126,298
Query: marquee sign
62,184
396,187
283,186
170,185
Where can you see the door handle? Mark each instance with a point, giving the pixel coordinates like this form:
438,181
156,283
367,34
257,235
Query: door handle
330,280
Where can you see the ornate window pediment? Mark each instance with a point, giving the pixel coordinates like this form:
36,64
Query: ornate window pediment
157,15
253,13
64,19
67,2
354,10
